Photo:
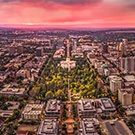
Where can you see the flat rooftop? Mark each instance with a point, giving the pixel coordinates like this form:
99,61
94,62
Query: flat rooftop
130,110
10,90
33,109
115,127
48,127
6,113
87,105
130,78
53,105
88,124
15,105
107,104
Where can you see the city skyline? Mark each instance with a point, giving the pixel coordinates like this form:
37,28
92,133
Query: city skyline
67,13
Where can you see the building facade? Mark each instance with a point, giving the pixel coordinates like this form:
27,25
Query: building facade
125,96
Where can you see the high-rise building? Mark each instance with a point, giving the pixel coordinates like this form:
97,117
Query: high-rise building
115,84
12,50
118,51
20,48
123,46
125,41
65,45
123,49
75,44
127,63
125,96
39,51
104,48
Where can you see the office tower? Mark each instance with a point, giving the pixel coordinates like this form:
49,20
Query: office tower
12,50
125,41
75,44
65,45
93,44
39,51
127,63
20,48
123,49
104,48
118,51
125,96
123,46
122,62
115,84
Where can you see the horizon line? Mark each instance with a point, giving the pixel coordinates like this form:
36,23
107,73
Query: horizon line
35,26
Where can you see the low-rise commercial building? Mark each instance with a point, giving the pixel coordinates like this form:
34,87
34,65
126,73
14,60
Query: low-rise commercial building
13,105
96,107
10,90
6,113
32,112
52,108
48,127
130,110
85,108
88,126
23,73
115,127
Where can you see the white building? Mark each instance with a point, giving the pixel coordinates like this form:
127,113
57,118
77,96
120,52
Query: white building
68,64
32,112
125,96
115,83
23,73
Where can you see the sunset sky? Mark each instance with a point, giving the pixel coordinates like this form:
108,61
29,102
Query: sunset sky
79,13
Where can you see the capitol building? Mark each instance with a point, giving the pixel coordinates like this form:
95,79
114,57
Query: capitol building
68,63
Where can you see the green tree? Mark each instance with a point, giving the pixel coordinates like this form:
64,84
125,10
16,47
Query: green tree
131,122
15,127
20,99
64,127
1,97
60,95
116,94
75,126
49,95
9,124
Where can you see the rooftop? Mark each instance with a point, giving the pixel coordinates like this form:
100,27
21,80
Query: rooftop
130,110
88,124
10,90
32,109
130,78
48,126
115,127
53,105
85,105
90,105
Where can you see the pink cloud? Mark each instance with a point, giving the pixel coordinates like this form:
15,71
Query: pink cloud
99,14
